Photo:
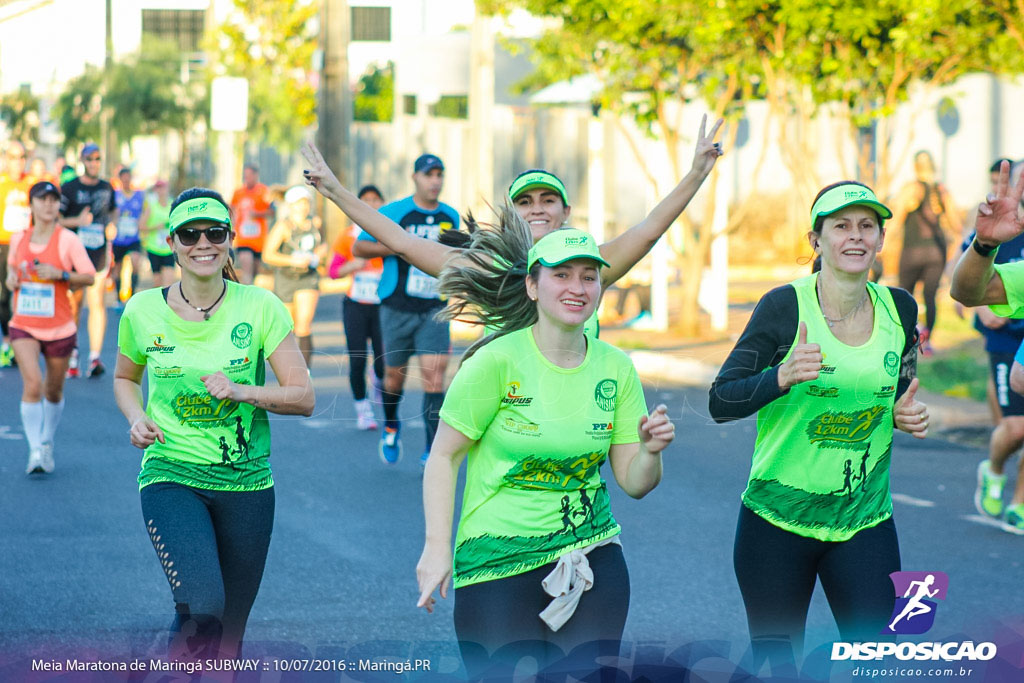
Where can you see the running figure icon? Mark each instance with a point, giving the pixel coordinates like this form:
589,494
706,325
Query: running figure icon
915,606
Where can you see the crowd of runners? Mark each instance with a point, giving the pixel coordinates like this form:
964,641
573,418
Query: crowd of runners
234,285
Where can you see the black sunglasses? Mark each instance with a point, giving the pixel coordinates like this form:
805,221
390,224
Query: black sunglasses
215,234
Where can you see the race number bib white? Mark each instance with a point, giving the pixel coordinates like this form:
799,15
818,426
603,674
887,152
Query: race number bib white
364,287
36,299
250,229
91,236
127,226
421,285
16,218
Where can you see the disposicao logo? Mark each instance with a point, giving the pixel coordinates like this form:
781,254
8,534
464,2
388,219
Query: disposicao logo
913,614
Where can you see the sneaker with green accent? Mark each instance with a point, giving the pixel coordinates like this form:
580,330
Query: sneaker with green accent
6,356
1014,520
988,498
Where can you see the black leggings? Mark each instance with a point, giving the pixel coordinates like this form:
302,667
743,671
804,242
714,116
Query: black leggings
5,294
925,265
362,322
776,570
212,546
497,622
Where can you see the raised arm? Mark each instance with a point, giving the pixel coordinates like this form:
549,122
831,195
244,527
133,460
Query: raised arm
626,250
427,255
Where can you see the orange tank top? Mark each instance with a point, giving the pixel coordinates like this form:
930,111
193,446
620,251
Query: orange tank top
40,304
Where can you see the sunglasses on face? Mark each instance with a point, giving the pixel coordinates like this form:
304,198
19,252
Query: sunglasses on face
216,234
93,158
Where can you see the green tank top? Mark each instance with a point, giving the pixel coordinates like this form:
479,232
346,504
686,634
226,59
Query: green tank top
156,240
821,460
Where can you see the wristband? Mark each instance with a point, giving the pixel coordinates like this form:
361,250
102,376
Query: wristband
983,249
65,275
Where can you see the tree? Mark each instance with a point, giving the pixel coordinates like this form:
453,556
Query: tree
20,113
270,43
78,108
375,94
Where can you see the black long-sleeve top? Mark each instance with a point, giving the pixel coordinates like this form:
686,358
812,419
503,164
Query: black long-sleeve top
743,387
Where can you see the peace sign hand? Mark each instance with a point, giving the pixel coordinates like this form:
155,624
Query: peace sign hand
999,218
319,174
707,150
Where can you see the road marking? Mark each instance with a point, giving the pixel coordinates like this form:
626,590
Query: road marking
984,521
910,500
5,434
314,423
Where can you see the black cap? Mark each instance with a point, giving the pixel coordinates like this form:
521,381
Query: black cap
427,162
43,188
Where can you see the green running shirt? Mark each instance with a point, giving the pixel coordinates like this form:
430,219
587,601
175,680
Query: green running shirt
210,443
156,240
821,460
1012,275
534,490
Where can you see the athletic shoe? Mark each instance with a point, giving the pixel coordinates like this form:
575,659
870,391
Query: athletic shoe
390,446
364,416
35,462
6,356
46,457
988,498
423,458
1014,521
96,368
73,364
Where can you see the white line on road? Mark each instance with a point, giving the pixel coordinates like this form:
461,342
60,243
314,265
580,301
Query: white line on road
5,434
910,500
984,521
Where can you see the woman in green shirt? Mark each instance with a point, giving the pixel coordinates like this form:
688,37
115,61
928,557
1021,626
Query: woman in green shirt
153,229
535,410
206,486
827,363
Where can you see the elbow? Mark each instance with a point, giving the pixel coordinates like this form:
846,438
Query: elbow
308,405
959,293
642,491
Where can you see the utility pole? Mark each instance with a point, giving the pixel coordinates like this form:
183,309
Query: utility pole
334,106
106,130
481,115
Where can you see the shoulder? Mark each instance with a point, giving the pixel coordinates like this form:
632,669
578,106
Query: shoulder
398,208
149,301
608,354
905,303
449,209
781,298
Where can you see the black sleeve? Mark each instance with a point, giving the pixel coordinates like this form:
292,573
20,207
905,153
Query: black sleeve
906,307
742,386
66,201
113,200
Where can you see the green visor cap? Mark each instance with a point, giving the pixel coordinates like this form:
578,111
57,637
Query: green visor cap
564,245
199,209
534,179
842,196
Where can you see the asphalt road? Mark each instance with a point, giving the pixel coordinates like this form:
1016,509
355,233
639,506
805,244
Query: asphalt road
79,579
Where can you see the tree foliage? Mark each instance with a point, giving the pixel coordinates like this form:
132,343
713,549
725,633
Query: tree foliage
270,43
375,94
19,111
78,108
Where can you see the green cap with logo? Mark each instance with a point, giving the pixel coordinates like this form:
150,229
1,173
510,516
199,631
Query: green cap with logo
564,244
198,209
848,194
531,180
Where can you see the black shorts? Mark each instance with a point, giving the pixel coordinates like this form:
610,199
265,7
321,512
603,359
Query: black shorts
122,250
99,259
1010,402
159,261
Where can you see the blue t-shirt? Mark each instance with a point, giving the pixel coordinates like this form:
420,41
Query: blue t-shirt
1008,338
130,206
403,286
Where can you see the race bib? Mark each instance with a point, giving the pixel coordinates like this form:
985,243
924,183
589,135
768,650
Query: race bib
250,229
127,226
421,285
92,236
16,218
36,299
364,287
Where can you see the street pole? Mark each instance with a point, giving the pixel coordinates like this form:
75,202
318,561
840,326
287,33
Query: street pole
334,110
106,130
481,114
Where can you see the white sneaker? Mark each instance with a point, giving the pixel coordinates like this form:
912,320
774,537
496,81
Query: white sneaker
364,416
35,462
47,457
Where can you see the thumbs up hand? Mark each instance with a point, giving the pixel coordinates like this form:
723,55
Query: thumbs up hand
804,362
909,414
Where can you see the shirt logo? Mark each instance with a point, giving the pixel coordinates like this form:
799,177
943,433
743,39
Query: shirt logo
823,392
845,429
892,363
512,396
159,346
241,336
605,393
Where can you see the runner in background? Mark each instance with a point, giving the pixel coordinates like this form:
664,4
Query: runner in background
14,219
251,207
153,230
88,208
130,202
360,312
295,249
45,262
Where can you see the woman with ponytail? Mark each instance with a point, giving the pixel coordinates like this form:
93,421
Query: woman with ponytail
536,521
206,486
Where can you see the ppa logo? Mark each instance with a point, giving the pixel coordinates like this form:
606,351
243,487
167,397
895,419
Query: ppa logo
916,595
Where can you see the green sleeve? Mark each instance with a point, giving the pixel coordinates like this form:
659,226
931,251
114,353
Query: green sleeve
629,408
474,397
277,323
1012,275
126,342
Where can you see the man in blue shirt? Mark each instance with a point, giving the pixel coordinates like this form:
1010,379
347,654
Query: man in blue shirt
409,300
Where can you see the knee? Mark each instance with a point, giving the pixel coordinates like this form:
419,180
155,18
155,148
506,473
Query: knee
31,390
54,394
1014,428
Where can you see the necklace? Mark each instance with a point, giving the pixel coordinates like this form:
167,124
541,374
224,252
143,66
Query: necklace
206,311
832,322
